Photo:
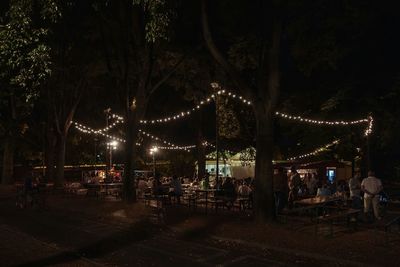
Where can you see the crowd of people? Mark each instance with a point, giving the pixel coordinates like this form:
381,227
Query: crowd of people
289,187
227,188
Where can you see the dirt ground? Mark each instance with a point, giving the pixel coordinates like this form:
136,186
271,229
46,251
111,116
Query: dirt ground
231,231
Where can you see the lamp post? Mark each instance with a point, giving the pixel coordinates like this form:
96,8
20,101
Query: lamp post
153,151
216,135
107,113
111,146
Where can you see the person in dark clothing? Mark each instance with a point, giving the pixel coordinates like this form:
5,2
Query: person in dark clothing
229,192
294,185
280,189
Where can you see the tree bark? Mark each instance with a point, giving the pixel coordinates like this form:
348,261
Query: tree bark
133,114
60,163
8,161
129,191
51,142
264,196
201,153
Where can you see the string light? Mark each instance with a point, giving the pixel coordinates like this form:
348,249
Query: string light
207,144
311,121
189,112
368,131
86,129
316,151
118,118
170,145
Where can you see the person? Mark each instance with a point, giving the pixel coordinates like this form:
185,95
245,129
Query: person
142,187
176,188
324,191
280,189
312,184
229,192
27,192
371,186
244,190
157,185
294,184
355,191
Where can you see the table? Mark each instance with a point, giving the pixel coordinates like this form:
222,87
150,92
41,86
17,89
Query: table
109,188
320,200
206,192
317,202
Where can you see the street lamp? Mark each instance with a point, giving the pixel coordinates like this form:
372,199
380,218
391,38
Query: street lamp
153,151
111,146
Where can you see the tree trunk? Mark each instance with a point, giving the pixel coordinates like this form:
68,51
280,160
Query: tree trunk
201,149
51,142
129,170
59,179
133,113
8,161
264,202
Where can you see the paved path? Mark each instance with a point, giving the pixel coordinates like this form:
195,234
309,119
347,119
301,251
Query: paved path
61,238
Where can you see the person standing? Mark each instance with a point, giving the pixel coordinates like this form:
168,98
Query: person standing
371,186
280,189
176,188
355,191
294,185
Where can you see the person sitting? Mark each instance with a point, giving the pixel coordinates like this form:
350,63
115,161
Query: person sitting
323,191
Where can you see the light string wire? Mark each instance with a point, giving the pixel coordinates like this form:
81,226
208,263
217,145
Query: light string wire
170,146
202,103
369,120
316,151
119,119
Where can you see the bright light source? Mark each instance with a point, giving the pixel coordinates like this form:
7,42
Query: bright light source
153,150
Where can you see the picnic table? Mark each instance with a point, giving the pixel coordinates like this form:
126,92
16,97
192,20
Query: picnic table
102,189
317,201
310,205
207,199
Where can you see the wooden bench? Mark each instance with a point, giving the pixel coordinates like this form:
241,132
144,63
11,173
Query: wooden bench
286,213
331,218
244,203
157,210
387,224
191,201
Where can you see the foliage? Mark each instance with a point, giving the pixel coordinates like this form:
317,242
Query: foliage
247,156
229,126
24,54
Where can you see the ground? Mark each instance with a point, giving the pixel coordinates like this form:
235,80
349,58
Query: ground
81,231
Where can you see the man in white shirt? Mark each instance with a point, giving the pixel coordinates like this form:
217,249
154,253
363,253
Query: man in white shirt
371,186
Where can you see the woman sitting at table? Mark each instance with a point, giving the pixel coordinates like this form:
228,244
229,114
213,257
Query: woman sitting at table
323,191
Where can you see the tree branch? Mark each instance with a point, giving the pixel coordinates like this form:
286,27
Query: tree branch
75,102
167,75
228,68
273,62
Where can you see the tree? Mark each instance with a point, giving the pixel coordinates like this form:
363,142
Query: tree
24,66
262,89
132,33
